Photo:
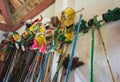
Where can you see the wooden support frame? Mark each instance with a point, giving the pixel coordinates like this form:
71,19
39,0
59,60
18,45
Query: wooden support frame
3,27
7,15
4,6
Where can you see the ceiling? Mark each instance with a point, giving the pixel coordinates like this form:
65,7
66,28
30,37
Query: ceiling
13,12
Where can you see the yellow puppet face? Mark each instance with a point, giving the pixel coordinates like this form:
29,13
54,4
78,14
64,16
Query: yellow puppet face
16,37
40,39
68,16
69,13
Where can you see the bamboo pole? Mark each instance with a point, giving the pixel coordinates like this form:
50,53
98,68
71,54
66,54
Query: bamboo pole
92,58
60,64
106,55
47,75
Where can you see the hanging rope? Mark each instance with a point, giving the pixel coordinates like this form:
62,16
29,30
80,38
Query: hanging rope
92,58
73,50
106,55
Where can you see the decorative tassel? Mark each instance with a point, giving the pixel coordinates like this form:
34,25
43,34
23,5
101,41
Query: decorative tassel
35,44
75,63
43,48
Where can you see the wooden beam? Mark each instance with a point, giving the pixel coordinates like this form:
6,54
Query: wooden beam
4,27
38,9
17,26
4,6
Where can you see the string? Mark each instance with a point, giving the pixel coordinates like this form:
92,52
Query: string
73,50
92,58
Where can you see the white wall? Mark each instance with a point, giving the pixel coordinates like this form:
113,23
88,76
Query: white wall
49,12
1,35
110,33
96,7
92,7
